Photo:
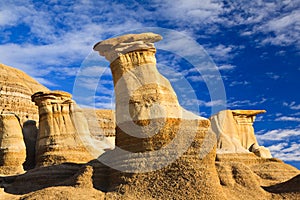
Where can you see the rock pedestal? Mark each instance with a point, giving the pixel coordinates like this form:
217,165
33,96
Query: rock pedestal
235,132
157,141
12,147
62,130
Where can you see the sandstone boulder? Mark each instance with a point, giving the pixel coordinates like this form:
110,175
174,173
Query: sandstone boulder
62,130
235,132
12,147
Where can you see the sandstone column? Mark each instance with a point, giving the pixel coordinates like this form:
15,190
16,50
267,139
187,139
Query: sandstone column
235,132
152,127
62,129
148,114
12,147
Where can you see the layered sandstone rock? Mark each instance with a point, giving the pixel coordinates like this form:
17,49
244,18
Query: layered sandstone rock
235,132
62,130
16,89
153,131
102,126
12,147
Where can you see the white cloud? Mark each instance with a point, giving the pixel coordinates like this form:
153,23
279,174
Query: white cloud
285,151
286,118
222,52
272,75
241,103
234,83
292,105
279,135
45,82
188,12
226,67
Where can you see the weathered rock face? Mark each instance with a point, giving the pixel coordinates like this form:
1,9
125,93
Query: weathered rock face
102,126
16,89
62,130
151,125
12,147
235,132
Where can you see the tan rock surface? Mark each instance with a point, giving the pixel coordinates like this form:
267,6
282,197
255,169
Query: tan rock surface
12,147
244,175
101,122
62,130
16,89
102,126
235,132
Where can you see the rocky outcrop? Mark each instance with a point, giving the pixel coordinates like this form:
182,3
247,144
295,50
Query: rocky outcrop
151,125
12,147
16,89
235,132
62,130
102,126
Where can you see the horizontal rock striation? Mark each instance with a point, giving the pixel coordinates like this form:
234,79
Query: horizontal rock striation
12,147
62,130
16,89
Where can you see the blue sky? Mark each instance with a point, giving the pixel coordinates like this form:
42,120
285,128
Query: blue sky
255,46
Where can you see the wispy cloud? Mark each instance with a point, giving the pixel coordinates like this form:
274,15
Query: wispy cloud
240,103
272,75
279,135
285,151
287,118
293,105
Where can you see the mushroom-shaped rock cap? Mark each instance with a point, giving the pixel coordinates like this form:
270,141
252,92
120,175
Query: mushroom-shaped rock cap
113,47
248,112
58,95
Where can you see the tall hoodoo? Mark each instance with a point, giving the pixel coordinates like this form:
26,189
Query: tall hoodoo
62,129
152,127
12,147
145,100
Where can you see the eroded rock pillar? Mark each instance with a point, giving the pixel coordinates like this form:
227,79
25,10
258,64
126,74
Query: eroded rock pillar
62,129
148,114
12,147
159,137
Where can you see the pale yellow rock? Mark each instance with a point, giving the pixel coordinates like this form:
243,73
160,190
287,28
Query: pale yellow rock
235,132
12,147
63,130
152,127
102,126
16,89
